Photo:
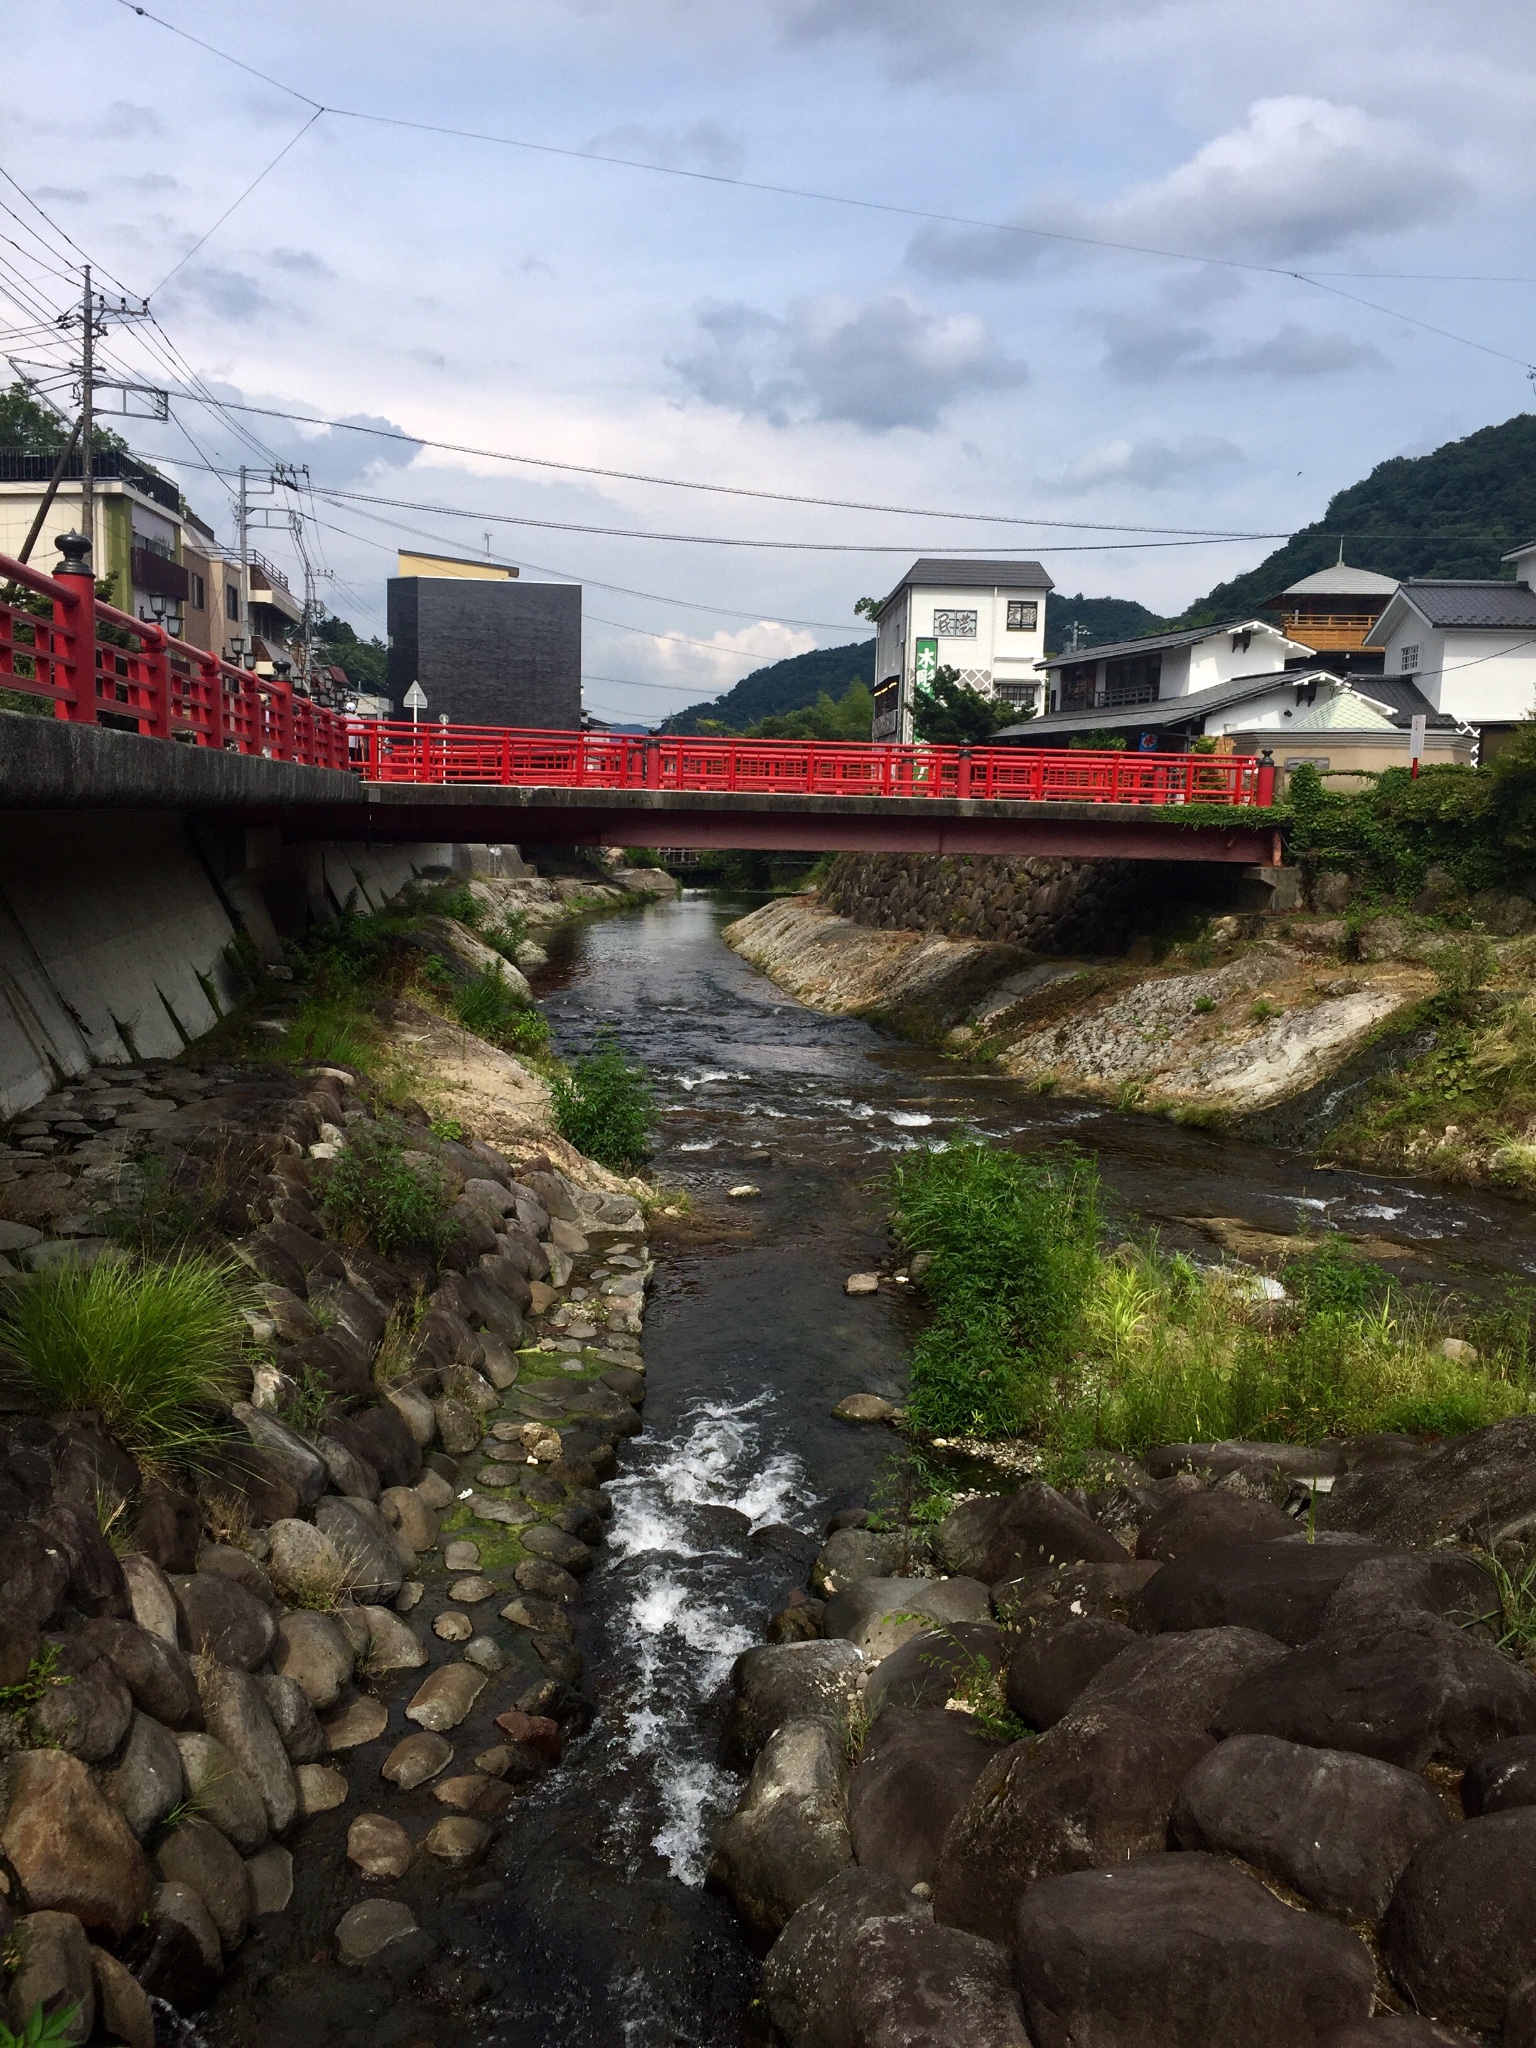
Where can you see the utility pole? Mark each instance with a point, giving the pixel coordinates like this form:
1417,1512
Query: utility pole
87,372
243,515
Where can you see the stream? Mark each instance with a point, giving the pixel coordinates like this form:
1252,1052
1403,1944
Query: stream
606,1933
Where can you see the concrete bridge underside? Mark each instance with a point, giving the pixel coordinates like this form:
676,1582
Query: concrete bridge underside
48,765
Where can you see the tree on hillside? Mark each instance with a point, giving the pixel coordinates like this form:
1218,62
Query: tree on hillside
850,719
1453,512
952,714
366,661
782,687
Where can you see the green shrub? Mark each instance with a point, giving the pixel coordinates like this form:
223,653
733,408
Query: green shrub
151,1346
375,1195
1010,1241
604,1108
43,2030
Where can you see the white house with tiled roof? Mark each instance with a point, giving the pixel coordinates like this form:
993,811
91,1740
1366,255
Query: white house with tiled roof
1469,647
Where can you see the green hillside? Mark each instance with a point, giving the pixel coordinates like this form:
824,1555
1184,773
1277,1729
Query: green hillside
1100,619
783,686
1451,513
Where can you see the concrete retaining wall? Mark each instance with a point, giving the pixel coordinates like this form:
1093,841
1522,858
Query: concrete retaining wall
115,925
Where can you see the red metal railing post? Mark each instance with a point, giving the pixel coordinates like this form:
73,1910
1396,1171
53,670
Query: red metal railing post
963,773
78,625
653,764
1264,781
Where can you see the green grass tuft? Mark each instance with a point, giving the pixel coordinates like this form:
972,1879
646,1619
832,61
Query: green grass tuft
150,1346
604,1108
375,1195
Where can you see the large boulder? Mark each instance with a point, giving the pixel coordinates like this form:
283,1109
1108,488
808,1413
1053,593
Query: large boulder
1479,1488
1460,1936
879,1615
1197,1521
179,1956
155,1607
1103,1591
1182,1951
1280,1588
1338,1828
851,1555
1097,1788
71,1849
95,1584
147,1780
225,1620
930,1670
789,1832
222,1792
312,1650
294,1718
154,1671
235,1711
1413,1694
1402,2030
1501,1777
53,1970
34,1573
1401,1585
805,1979
915,1771
1056,1659
367,1545
196,1854
779,1682
997,1536
86,1708
912,1984
1184,1680
1268,1464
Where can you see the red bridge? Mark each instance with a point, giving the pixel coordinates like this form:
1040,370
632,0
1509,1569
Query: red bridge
100,667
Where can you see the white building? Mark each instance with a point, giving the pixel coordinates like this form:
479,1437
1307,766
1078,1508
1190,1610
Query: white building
984,619
1164,666
1468,647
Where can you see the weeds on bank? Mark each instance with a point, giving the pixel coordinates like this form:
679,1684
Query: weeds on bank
43,2029
42,1673
378,1192
1036,1331
604,1107
1010,1241
976,1688
1516,1613
151,1346
394,1360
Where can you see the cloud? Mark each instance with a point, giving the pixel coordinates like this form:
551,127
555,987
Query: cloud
61,195
704,145
227,294
1147,464
1143,351
334,456
301,262
128,117
1300,178
892,362
918,39
429,358
151,181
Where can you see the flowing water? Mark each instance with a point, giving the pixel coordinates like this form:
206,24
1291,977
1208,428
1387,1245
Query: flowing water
607,1934
597,1930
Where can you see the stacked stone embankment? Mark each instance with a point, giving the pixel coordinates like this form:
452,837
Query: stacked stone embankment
1046,905
1277,1783
333,1658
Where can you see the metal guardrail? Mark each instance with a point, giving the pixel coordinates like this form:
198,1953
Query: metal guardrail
162,688
510,756
156,686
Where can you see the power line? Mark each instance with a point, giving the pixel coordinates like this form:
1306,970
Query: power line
234,203
801,191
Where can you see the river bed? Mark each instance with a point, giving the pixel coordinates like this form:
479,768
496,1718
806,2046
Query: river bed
605,1933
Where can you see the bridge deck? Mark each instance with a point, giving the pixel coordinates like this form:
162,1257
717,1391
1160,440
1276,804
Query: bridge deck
52,764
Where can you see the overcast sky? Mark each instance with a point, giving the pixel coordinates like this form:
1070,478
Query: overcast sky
548,306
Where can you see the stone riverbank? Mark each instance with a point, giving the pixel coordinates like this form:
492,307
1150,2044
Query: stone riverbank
1229,1752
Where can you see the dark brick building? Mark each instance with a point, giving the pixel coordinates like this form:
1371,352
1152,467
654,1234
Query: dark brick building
487,652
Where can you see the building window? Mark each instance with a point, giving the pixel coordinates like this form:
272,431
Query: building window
1020,695
1136,679
1023,614
955,625
232,602
1410,659
199,592
1078,685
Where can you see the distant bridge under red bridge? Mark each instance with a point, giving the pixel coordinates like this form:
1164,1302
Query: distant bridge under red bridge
189,731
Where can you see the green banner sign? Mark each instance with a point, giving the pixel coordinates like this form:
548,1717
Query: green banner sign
926,665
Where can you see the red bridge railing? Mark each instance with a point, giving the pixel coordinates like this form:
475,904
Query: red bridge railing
164,689
154,685
507,756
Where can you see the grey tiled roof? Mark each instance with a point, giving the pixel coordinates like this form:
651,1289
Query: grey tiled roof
940,573
1166,711
1158,642
1444,603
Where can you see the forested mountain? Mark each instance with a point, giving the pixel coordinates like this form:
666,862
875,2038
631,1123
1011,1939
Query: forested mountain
1450,513
1101,619
783,686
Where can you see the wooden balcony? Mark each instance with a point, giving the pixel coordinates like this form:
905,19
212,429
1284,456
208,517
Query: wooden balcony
1327,632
